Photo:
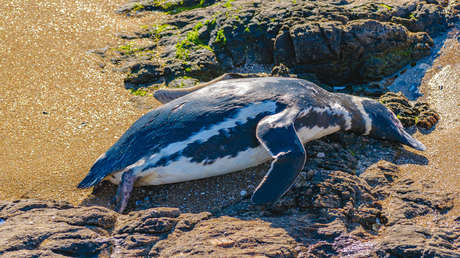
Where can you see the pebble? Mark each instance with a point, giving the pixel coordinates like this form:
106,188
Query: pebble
320,155
339,88
243,193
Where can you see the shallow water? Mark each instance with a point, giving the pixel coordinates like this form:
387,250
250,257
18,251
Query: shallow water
59,111
439,87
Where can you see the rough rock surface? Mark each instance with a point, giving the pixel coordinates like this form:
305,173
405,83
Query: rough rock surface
333,42
326,213
419,114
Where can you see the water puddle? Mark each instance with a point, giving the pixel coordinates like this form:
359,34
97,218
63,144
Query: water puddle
411,78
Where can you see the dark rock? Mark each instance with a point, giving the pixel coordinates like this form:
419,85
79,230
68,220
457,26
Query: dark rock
284,48
182,82
418,241
227,236
325,213
54,228
430,18
144,73
280,70
336,42
419,114
380,174
310,46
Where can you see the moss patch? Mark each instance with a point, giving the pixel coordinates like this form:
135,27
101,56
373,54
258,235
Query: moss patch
173,7
128,49
220,37
138,7
140,92
192,40
389,8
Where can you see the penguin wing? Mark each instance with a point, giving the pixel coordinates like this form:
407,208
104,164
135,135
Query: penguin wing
164,96
278,135
167,95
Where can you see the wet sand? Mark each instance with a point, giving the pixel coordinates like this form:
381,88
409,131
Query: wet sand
440,87
59,111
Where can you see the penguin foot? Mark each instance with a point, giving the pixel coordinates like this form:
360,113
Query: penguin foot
121,198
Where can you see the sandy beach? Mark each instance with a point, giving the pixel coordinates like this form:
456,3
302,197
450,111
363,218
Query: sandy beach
59,110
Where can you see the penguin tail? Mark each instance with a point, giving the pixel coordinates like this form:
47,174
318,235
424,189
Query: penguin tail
97,173
89,180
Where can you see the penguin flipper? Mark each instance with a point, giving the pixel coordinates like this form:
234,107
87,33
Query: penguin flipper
278,135
164,96
167,95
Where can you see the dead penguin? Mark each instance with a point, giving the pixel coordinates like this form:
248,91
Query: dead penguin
235,124
166,95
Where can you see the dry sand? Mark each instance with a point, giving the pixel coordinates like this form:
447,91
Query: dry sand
59,112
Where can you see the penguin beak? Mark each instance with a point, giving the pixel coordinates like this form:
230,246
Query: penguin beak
408,140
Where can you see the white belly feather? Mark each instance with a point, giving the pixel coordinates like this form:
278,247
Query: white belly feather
183,169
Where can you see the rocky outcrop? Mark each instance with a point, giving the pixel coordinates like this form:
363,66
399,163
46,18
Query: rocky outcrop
334,42
329,213
419,114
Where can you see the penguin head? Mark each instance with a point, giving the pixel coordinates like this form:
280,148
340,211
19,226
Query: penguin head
385,125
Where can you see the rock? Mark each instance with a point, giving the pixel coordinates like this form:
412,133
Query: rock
283,51
156,221
183,82
243,193
429,18
280,71
45,228
427,117
327,212
419,114
227,236
52,228
335,42
380,176
417,241
42,228
166,5
144,73
320,155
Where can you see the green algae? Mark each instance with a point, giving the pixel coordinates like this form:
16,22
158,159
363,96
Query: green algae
220,37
